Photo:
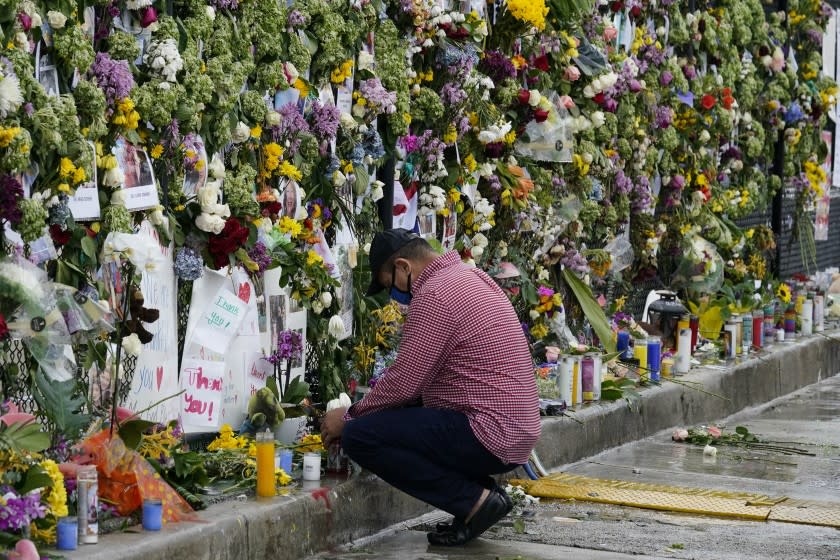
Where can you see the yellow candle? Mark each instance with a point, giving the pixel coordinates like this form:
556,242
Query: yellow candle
265,464
640,353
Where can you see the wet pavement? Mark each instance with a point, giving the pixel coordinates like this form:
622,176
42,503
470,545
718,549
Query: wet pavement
808,419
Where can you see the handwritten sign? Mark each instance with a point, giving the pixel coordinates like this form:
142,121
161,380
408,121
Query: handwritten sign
202,382
220,321
156,372
258,371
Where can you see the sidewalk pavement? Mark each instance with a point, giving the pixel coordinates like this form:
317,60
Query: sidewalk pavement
311,519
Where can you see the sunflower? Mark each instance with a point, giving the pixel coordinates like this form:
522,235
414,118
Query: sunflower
783,292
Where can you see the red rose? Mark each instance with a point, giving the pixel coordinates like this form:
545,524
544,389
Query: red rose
4,329
232,237
541,63
524,96
540,115
599,98
617,6
708,101
636,11
59,236
270,208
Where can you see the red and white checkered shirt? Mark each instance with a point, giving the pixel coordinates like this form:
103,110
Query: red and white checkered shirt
463,349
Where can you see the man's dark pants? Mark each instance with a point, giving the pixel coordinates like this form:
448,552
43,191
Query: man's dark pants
431,454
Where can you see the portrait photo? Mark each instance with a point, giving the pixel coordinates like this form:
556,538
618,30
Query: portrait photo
196,177
426,225
135,165
289,199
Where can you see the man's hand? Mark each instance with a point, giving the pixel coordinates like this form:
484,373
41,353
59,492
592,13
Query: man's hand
332,425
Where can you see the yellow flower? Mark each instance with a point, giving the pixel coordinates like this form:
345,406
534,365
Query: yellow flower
66,168
510,138
57,497
539,331
470,163
289,170
529,11
619,303
256,132
310,444
227,440
347,167
451,135
313,258
108,162
406,118
783,292
282,478
301,86
290,226
95,227
79,176
63,187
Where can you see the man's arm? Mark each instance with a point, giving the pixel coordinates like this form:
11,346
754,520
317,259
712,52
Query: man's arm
428,336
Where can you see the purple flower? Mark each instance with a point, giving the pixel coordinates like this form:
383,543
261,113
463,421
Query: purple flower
188,264
260,256
663,117
497,66
689,72
451,94
377,97
324,121
494,149
295,19
289,347
10,192
665,78
19,511
544,291
686,98
224,4
113,77
623,184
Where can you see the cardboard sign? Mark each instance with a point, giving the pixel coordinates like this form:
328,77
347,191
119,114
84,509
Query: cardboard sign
202,382
220,321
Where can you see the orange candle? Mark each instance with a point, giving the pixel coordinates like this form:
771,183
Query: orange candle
265,464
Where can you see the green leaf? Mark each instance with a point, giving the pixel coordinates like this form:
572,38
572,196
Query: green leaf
741,430
24,437
56,399
591,309
89,247
131,432
297,391
36,477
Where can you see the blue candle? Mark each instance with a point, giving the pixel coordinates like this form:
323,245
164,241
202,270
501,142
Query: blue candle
623,344
67,533
286,460
152,515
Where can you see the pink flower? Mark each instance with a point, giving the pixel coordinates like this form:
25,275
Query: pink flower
713,431
544,291
25,550
610,33
572,73
680,434
567,102
149,17
552,353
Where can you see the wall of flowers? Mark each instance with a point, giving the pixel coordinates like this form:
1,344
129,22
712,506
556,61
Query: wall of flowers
188,187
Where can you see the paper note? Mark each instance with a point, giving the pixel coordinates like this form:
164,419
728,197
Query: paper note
202,382
220,321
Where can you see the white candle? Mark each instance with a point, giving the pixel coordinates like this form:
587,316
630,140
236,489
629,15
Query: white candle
564,379
311,466
684,354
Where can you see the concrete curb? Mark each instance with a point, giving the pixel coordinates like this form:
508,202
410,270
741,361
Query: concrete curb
307,521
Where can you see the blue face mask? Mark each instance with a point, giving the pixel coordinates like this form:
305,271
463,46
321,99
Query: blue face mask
400,296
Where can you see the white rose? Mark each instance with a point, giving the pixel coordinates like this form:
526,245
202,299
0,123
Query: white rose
347,121
477,251
36,20
132,345
113,177
376,192
56,19
156,216
705,136
597,84
317,307
534,98
210,223
241,133
22,41
117,197
326,299
534,314
365,61
217,166
272,118
710,451
588,92
207,196
210,11
336,327
598,119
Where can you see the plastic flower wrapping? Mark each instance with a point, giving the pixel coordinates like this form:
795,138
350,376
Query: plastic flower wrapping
614,141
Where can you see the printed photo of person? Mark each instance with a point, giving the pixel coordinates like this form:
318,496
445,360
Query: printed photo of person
48,77
298,361
135,164
277,317
426,225
197,177
289,199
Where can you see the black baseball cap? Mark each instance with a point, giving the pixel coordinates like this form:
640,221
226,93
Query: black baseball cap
384,245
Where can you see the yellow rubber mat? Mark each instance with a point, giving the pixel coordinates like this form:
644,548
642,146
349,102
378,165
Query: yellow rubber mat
740,505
